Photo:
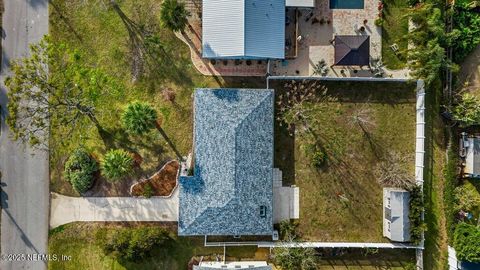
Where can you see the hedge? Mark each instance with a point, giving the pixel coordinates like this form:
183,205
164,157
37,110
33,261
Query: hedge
467,242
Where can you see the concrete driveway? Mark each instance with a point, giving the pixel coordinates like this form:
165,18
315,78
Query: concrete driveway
66,209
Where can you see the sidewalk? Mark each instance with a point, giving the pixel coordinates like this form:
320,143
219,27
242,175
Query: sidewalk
66,209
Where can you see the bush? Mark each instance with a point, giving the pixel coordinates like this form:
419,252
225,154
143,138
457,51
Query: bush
467,111
318,157
288,230
467,242
466,198
139,118
378,22
417,226
412,3
134,244
116,164
147,191
80,169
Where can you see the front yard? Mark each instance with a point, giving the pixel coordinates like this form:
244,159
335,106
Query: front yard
100,33
342,201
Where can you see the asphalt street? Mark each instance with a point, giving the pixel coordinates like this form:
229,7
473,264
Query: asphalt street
25,185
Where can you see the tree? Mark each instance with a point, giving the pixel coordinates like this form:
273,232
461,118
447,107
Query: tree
116,164
466,241
173,15
140,117
467,110
427,58
53,90
134,244
80,169
391,172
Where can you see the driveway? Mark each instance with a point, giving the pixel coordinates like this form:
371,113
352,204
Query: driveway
66,209
24,197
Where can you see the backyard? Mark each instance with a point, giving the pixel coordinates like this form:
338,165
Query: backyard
342,200
99,32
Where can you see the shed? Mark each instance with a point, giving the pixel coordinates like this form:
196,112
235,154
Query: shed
396,206
243,29
471,146
352,50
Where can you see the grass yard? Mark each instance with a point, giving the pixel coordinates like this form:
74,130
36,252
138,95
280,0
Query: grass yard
395,27
80,241
343,200
98,32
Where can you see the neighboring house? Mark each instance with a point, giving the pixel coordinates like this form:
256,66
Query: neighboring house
243,29
250,265
470,151
396,205
230,192
455,264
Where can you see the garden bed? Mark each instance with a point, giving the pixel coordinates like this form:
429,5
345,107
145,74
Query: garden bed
161,183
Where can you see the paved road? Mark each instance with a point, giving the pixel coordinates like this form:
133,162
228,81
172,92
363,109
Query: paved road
68,209
25,197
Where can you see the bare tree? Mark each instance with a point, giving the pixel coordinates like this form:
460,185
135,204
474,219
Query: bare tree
363,118
299,101
392,172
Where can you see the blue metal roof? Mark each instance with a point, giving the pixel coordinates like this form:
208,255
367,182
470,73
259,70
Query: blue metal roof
244,29
232,179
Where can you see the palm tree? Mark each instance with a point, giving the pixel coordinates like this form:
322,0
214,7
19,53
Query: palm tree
116,164
174,15
139,118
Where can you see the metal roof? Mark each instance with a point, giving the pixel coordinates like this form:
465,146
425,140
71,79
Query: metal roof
396,212
300,3
248,29
352,50
472,162
233,170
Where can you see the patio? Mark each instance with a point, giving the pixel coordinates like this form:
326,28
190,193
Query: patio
317,29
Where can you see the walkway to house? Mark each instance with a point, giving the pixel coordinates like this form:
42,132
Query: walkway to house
66,209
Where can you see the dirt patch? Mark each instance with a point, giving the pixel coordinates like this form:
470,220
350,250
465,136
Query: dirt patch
162,183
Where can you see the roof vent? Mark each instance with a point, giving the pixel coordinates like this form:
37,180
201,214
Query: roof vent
263,211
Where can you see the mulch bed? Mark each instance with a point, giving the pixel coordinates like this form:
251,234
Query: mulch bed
163,182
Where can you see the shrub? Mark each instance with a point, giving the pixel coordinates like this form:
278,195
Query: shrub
467,242
134,244
467,111
378,22
288,230
173,15
147,191
116,164
466,198
319,159
80,169
417,226
412,3
139,118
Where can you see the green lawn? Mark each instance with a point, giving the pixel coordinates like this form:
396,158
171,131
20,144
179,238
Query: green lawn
395,27
343,200
80,241
97,31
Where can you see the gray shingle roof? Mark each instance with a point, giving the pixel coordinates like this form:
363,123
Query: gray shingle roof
232,179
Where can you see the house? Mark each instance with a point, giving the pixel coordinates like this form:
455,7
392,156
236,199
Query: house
231,190
250,265
243,29
470,152
396,205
